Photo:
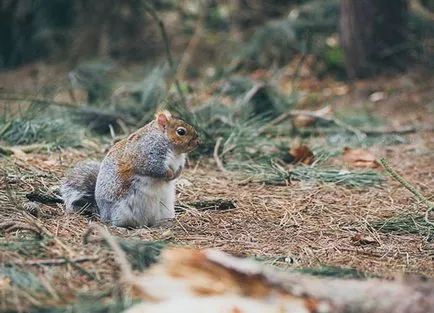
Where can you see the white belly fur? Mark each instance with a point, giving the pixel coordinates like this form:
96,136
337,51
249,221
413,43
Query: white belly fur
149,200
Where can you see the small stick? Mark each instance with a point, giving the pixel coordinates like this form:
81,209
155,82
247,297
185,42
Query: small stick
249,95
195,39
217,204
38,101
59,261
411,188
216,155
127,275
153,13
12,226
403,130
290,113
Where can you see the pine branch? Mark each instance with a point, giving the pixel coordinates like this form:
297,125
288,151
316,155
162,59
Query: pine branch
411,188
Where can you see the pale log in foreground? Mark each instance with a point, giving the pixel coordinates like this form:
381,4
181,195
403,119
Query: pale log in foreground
211,281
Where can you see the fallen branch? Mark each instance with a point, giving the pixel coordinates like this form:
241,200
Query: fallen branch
410,188
127,275
216,155
400,131
361,135
11,226
59,261
195,39
251,93
153,13
218,204
210,279
32,99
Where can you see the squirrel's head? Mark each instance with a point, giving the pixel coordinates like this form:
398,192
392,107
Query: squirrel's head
182,135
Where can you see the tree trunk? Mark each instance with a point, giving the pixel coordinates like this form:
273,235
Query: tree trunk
372,33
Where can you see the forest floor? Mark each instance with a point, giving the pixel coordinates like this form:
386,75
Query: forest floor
300,225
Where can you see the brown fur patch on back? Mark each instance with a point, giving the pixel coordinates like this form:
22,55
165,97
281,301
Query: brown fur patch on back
126,161
126,173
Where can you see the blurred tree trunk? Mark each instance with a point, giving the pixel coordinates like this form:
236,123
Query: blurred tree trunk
372,31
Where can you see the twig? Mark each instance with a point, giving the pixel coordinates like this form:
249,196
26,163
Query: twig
402,131
195,39
302,59
45,231
5,128
153,13
12,97
217,204
12,226
216,155
249,95
127,275
59,261
410,188
361,135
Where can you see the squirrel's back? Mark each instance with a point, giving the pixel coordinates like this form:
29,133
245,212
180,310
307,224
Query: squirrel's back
78,187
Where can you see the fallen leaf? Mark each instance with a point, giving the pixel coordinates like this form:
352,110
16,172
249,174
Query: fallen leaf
300,153
183,182
362,239
378,96
5,282
360,157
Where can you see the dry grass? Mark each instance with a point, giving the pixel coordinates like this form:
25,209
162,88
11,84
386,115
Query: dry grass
316,224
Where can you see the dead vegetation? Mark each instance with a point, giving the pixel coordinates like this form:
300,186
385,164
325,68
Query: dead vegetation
302,224
288,172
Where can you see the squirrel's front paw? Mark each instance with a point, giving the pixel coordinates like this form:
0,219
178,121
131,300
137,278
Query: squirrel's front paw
171,174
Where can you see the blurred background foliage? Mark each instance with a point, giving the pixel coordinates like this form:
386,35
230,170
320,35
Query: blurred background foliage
219,64
261,32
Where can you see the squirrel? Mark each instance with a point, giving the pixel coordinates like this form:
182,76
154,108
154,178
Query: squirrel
134,185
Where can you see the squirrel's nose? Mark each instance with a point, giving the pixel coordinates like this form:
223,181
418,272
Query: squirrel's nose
197,142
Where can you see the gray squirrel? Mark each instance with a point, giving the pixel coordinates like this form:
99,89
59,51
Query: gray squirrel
134,185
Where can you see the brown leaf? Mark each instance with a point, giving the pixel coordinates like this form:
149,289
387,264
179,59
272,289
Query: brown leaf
362,239
5,283
301,153
360,157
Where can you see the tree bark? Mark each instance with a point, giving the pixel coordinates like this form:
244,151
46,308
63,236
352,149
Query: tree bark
372,33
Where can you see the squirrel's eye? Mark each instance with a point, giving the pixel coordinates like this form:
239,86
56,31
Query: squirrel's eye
181,131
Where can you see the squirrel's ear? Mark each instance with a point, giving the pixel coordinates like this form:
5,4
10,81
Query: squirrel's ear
163,118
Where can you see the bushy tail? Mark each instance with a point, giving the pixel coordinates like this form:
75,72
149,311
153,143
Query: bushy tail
78,188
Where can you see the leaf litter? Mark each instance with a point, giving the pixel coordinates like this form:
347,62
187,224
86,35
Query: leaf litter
313,205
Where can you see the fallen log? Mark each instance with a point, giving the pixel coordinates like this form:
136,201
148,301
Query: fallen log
212,281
